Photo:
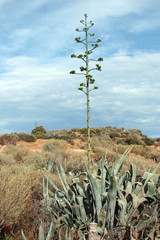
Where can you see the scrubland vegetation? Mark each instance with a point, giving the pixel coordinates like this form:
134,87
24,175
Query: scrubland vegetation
24,195
90,183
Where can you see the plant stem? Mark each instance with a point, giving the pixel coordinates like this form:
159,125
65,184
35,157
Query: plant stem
87,94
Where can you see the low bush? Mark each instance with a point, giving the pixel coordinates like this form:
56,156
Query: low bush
6,159
39,132
133,140
16,188
17,152
139,150
6,139
53,144
148,141
27,137
60,134
155,155
37,160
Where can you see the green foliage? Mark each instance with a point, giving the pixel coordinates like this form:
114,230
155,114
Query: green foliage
60,134
148,141
117,202
39,132
27,137
133,140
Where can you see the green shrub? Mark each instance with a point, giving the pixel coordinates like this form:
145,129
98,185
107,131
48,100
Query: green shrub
60,134
148,141
27,137
133,140
39,132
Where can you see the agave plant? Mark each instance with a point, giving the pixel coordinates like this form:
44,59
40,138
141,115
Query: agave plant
41,235
112,200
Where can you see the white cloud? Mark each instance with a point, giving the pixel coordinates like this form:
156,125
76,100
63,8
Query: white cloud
37,39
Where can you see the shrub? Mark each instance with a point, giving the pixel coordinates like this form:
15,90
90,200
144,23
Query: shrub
53,144
39,132
155,155
20,201
133,140
114,135
16,190
122,148
148,141
6,159
37,160
60,134
27,137
18,152
8,139
139,150
49,146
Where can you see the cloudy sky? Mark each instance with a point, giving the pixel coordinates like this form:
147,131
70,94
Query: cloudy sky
36,41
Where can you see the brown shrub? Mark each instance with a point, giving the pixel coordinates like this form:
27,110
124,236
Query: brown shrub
16,190
36,160
53,144
139,150
18,152
8,139
121,148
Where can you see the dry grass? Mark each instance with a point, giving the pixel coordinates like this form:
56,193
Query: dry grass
6,159
22,170
53,144
142,164
18,152
16,190
36,160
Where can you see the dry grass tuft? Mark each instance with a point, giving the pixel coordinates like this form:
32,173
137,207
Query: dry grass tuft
6,159
16,190
18,152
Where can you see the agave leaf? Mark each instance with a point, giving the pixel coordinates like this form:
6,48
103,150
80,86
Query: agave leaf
41,232
52,183
112,195
151,176
49,235
83,215
119,163
133,170
151,189
95,191
63,179
101,221
137,201
102,175
80,189
128,189
23,235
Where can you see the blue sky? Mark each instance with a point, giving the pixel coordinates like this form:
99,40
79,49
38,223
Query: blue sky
37,39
